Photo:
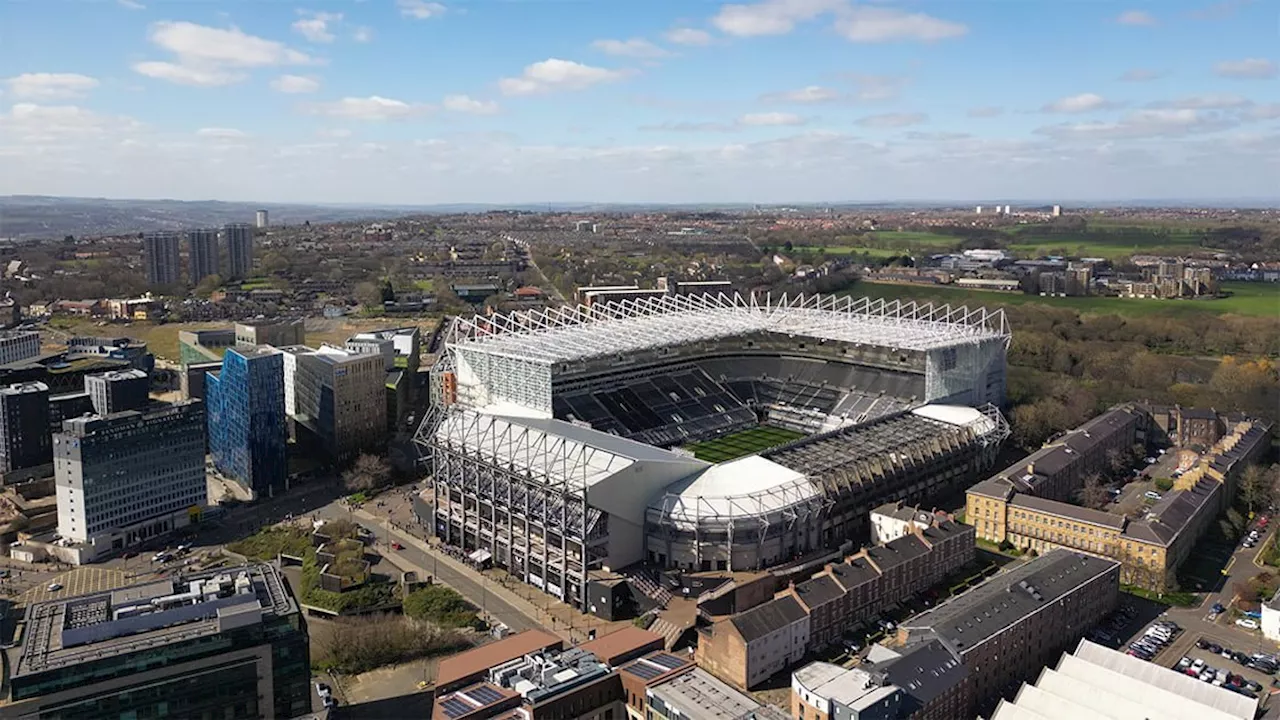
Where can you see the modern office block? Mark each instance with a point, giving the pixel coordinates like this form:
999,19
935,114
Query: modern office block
225,643
277,333
65,406
203,254
126,477
18,345
341,398
161,254
399,348
239,249
247,426
24,426
117,391
203,346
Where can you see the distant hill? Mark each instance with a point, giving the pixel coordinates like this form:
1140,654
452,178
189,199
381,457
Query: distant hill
32,216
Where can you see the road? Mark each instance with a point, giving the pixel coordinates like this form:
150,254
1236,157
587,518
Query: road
413,557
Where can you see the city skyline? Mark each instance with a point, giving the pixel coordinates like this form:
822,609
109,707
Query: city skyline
416,102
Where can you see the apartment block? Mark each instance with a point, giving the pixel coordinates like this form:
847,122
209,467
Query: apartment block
1004,630
750,647
24,427
1150,549
239,237
202,254
118,390
162,256
18,345
127,477
927,681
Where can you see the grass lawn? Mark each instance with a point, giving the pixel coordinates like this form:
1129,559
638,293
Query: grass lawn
743,443
848,250
1256,299
912,238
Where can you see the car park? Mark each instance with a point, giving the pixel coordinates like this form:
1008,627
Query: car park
1198,665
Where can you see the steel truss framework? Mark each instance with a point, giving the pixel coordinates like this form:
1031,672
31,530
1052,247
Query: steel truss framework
577,333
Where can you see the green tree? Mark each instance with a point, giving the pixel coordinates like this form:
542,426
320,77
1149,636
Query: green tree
441,605
207,285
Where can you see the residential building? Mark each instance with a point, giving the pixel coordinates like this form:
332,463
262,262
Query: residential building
619,646
400,349
1016,622
260,218
277,332
893,520
340,398
127,477
1097,682
162,256
1011,507
24,427
65,406
925,682
247,428
239,250
647,671
750,647
202,251
118,390
698,695
225,643
1271,618
18,345
822,691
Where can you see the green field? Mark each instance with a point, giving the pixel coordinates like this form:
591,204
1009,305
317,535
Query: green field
1256,299
1175,242
848,250
743,443
912,238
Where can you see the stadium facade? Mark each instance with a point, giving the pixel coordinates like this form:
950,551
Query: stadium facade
558,441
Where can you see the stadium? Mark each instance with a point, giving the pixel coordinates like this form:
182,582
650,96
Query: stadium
701,433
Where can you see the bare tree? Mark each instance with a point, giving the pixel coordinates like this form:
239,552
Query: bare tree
366,473
1093,495
1254,487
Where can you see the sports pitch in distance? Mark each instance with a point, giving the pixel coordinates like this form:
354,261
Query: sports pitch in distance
743,443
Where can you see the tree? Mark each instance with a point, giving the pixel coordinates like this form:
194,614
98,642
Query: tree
207,285
366,473
1093,495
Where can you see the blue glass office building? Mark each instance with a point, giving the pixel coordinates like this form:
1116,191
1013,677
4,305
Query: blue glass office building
247,430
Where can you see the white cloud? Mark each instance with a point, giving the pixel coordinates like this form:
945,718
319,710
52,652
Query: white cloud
362,34
555,74
808,94
184,75
1143,124
294,84
1264,112
635,47
208,56
468,105
420,9
131,4
689,127
1247,69
688,36
46,86
862,23
336,133
891,120
876,88
373,107
314,26
770,17
1136,17
1203,102
1084,102
988,111
771,119
35,124
1142,75
221,133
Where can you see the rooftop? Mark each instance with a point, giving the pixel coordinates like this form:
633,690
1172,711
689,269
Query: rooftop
924,672
563,335
622,645
767,618
698,694
973,617
68,631
1075,512
1096,683
479,660
129,374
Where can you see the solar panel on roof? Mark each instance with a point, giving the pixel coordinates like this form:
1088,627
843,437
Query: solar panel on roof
644,670
484,695
670,662
453,707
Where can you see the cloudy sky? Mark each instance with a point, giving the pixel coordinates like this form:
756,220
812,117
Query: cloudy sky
415,101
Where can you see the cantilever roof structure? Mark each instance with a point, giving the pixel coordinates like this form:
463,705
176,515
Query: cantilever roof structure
569,334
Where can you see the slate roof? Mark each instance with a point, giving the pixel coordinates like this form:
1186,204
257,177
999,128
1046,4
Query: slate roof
768,618
853,573
819,591
923,673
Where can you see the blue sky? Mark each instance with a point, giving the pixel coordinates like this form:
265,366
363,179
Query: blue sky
414,101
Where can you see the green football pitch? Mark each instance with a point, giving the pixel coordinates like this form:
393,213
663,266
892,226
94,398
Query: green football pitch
742,443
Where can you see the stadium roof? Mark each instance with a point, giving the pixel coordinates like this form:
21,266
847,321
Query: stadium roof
750,486
566,334
1096,683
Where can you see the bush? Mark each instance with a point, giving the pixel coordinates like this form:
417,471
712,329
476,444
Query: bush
1164,484
356,645
643,622
440,605
267,543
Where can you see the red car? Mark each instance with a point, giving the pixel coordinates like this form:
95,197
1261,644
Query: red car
396,546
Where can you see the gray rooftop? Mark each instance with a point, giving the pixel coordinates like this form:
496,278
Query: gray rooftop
768,618
698,694
1005,600
73,630
1075,512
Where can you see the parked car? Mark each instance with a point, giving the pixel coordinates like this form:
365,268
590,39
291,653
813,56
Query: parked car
1151,495
1213,648
54,587
1202,644
1253,685
1184,663
1218,608
1197,665
1248,623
